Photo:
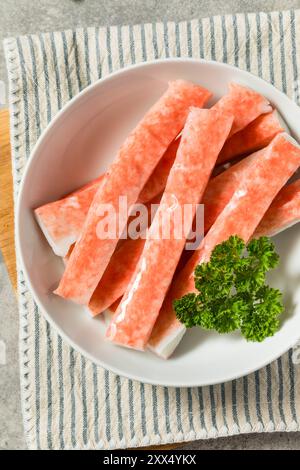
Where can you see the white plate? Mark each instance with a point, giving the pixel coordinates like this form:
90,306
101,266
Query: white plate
77,146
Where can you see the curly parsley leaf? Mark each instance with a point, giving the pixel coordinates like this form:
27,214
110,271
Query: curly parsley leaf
232,291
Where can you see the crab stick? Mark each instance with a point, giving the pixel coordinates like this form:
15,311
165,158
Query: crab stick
117,275
253,194
284,212
253,137
220,189
196,156
61,221
126,177
157,181
246,105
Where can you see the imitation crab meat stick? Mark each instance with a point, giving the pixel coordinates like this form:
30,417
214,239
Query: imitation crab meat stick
245,103
253,194
196,156
126,177
61,221
157,181
282,213
117,275
221,188
255,136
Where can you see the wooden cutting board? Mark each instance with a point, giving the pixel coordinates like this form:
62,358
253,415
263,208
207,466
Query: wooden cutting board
7,244
6,200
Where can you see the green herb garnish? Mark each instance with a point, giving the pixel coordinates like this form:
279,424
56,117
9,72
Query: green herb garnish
233,293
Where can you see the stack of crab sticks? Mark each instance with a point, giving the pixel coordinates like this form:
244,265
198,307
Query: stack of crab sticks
170,160
252,195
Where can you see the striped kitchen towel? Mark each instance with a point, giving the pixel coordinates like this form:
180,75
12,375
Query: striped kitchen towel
69,402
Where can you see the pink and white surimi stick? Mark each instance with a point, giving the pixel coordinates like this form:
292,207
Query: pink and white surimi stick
221,188
61,221
126,177
133,321
117,275
245,103
253,194
255,136
284,212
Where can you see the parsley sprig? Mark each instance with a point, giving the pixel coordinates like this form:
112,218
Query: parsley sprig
233,293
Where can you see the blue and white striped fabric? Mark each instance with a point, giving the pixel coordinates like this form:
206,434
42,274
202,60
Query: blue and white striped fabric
68,402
